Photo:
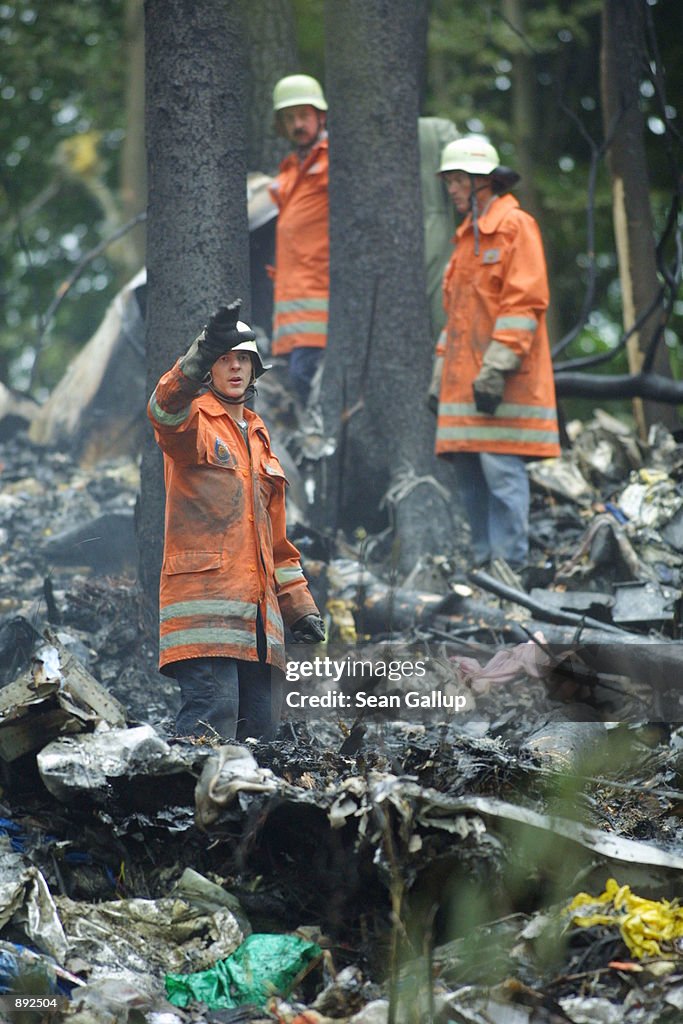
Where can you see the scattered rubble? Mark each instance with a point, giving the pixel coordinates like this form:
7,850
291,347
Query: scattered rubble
424,853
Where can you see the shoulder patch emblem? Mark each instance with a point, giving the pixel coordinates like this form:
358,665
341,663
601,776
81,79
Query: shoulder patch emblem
491,256
221,451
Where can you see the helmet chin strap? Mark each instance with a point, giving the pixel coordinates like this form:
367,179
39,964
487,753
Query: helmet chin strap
474,207
251,390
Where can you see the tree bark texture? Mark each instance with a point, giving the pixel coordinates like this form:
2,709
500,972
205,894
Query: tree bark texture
271,54
623,65
379,352
197,233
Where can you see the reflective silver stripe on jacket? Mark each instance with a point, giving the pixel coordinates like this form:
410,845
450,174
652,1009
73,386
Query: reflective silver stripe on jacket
302,327
487,433
166,418
515,323
209,636
231,609
301,305
288,573
506,410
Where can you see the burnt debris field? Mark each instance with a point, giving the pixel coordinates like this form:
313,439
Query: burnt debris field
492,835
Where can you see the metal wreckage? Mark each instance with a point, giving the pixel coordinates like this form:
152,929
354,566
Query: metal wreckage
478,819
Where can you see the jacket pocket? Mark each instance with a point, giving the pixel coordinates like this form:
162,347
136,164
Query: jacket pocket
192,561
271,476
488,280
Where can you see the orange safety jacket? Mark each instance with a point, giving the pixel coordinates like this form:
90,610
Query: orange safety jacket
226,552
302,252
499,293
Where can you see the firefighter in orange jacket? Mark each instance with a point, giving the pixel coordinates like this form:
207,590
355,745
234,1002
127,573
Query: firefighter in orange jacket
229,575
492,385
301,274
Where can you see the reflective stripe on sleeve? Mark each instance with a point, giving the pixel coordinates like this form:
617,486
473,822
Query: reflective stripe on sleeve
515,323
166,418
288,573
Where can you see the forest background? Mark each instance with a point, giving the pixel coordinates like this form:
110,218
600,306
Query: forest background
580,97
525,73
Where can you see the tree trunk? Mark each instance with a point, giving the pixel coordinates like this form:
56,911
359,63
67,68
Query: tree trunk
133,158
379,353
622,69
271,54
197,235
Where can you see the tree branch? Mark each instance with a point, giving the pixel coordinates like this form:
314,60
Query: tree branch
66,286
642,385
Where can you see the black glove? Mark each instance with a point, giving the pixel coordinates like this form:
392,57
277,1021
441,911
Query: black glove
218,336
221,333
488,398
310,629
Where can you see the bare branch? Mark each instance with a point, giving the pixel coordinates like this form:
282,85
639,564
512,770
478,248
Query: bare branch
65,287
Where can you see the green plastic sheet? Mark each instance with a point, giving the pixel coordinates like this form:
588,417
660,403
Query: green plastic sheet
262,966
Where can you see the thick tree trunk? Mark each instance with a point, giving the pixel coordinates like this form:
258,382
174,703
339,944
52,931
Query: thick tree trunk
271,54
379,352
623,64
134,158
197,235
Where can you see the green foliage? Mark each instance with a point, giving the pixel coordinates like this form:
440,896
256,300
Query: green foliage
311,36
62,80
62,110
474,56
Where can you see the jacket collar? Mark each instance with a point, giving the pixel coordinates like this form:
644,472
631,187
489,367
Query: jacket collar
212,407
318,147
490,221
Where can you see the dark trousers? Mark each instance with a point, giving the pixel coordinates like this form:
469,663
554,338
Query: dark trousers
229,697
303,362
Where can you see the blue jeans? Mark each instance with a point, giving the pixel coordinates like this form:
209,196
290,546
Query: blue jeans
233,698
303,362
494,490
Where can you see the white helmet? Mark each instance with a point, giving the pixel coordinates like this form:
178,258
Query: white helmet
250,346
473,154
298,90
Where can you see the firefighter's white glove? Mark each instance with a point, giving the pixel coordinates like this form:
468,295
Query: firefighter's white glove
489,385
